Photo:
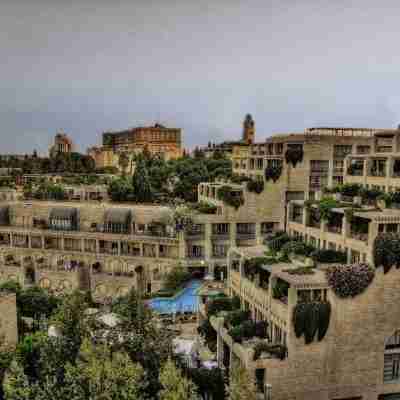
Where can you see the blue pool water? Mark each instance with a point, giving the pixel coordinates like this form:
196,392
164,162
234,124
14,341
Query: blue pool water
186,300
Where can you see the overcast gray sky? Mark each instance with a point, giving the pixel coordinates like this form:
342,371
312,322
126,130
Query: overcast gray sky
86,66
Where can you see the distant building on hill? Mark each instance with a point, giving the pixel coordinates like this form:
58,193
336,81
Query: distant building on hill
62,144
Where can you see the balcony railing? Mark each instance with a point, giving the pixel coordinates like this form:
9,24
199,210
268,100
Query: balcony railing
359,236
246,236
377,173
334,229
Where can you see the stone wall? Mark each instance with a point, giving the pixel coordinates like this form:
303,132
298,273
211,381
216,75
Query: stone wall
8,318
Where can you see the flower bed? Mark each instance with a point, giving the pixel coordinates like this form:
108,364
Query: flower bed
350,280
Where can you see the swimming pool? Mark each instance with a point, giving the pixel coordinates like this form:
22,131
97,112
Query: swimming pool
186,300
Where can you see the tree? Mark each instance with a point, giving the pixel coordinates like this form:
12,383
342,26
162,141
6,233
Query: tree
16,384
142,189
242,386
108,375
174,385
70,322
6,356
123,162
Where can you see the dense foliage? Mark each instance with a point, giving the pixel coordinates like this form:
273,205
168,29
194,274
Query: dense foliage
204,207
297,247
176,278
276,350
214,306
60,163
350,280
90,360
276,242
255,185
294,155
164,181
209,334
247,330
329,256
273,173
210,383
230,196
386,251
310,319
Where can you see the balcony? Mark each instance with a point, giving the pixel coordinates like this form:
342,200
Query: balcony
246,236
334,229
359,236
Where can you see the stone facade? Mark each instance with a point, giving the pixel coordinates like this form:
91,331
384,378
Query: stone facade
8,318
62,144
157,140
357,358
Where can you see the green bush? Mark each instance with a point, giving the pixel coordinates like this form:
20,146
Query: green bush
297,247
276,243
276,350
329,256
255,185
222,304
205,207
176,278
236,317
273,173
230,197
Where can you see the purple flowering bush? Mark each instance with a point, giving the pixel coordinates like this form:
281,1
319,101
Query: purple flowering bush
350,280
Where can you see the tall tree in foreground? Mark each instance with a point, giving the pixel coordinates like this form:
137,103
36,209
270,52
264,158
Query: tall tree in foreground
242,385
174,385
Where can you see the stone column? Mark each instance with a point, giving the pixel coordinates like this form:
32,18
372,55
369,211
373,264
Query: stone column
62,242
182,246
97,246
119,247
29,241
207,242
232,234
259,238
11,240
43,241
83,245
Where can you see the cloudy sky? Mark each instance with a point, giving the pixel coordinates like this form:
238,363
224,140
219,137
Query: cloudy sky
86,66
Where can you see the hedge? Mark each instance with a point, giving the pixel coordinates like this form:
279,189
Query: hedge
329,256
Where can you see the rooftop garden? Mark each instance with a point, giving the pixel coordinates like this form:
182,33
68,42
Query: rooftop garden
230,196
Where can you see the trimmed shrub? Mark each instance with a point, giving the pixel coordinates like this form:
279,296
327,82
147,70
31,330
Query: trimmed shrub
205,207
298,248
349,280
329,256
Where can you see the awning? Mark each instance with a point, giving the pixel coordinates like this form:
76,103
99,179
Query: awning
118,216
63,213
